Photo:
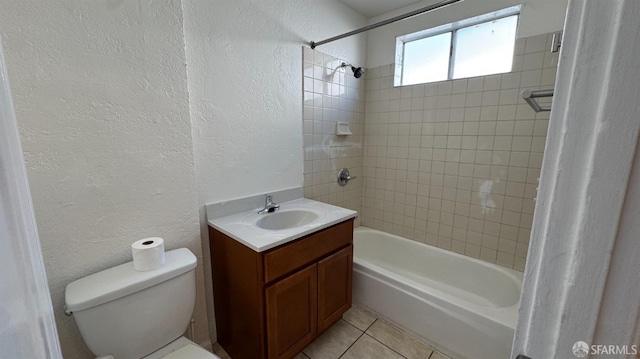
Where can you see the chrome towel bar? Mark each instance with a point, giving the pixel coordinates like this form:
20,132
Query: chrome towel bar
530,97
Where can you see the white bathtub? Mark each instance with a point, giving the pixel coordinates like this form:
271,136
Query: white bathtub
464,307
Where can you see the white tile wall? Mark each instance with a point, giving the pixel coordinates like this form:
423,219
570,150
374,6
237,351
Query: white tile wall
331,95
453,164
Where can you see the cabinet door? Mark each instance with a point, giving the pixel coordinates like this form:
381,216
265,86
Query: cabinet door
334,287
292,305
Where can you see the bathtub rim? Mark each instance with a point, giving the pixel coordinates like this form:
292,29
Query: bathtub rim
506,315
465,347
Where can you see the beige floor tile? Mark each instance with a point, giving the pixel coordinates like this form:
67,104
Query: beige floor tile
332,343
359,318
438,355
399,341
369,348
217,350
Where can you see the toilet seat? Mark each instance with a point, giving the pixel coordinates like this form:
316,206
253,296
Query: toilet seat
181,348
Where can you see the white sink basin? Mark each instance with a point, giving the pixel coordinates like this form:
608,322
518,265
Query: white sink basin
286,220
294,219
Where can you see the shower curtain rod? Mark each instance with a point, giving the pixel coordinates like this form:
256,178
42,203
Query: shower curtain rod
438,5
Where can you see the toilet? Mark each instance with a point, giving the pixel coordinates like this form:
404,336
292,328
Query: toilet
126,314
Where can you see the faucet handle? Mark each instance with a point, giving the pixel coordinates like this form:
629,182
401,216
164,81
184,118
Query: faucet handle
344,177
269,206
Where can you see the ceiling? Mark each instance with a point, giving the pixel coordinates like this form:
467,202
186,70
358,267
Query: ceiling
371,8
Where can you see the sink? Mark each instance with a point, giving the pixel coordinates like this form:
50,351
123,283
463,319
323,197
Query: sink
286,219
295,219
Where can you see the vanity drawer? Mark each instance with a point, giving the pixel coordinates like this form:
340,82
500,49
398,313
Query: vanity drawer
292,256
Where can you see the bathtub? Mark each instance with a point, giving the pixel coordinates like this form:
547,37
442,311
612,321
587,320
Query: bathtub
462,306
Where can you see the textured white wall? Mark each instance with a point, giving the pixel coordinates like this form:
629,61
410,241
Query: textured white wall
245,85
537,17
100,89
244,61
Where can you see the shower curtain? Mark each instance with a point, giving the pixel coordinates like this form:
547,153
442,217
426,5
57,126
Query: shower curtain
27,325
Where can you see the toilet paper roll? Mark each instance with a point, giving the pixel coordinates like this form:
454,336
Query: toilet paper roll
148,254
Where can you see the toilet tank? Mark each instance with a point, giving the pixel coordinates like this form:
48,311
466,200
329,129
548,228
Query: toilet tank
130,314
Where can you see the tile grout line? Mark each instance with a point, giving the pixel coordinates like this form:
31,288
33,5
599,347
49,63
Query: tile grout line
433,350
346,350
393,350
375,320
372,323
372,337
360,336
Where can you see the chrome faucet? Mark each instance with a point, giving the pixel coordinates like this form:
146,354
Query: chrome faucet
269,206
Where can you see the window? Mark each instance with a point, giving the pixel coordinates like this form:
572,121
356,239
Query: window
479,46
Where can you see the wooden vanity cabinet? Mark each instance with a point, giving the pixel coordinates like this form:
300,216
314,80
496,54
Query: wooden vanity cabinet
292,313
272,304
334,287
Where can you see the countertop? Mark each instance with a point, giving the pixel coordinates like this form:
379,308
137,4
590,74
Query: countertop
242,226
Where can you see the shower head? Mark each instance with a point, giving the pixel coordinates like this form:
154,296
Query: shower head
357,71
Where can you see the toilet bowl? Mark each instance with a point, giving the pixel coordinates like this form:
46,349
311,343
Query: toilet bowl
126,314
179,349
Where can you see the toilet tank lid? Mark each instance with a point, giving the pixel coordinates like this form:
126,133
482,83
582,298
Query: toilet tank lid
122,280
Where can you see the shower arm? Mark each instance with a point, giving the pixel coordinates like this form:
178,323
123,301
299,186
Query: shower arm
435,6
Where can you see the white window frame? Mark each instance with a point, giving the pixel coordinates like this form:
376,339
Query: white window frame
453,28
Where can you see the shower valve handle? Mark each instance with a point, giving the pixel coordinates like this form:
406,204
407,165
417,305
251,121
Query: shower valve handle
344,177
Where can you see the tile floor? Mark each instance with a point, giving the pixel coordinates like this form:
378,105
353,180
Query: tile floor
361,335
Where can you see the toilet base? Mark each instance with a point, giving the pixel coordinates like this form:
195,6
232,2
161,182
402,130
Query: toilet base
181,348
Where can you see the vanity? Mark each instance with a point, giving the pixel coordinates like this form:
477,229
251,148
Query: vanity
280,279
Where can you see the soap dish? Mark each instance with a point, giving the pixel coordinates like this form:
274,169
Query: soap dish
342,129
